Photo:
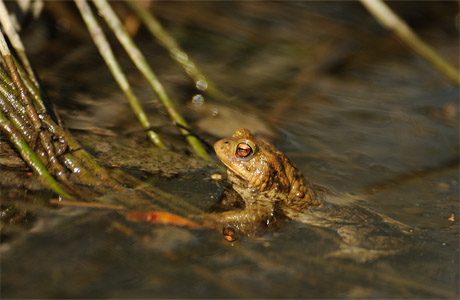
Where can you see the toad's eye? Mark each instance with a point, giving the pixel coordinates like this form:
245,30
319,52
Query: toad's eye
243,150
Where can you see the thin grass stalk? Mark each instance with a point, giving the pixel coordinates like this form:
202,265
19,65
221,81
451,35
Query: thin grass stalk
106,52
391,21
30,157
15,40
136,56
202,83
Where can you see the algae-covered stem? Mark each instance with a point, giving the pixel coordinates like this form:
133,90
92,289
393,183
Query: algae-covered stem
390,20
18,84
30,157
17,120
38,134
19,99
136,56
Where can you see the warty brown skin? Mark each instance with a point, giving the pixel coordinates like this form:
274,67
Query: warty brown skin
265,171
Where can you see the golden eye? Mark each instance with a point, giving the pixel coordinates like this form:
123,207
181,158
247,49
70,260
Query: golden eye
243,150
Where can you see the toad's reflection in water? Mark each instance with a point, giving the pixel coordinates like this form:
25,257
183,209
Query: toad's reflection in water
269,187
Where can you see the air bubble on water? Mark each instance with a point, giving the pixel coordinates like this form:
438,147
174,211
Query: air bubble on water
198,99
214,112
202,84
179,55
190,67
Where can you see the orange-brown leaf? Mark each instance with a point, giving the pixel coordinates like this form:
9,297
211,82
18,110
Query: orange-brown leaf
160,217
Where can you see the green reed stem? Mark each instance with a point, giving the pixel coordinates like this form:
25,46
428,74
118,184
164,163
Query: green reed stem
106,52
202,83
136,56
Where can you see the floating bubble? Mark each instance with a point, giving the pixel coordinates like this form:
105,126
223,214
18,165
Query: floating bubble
179,55
202,84
190,67
214,112
198,99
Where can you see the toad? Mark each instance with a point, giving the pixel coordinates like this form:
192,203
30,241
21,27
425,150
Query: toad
267,187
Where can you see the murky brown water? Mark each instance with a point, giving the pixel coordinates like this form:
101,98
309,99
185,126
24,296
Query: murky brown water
353,108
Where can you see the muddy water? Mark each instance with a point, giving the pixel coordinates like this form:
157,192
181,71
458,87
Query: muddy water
367,118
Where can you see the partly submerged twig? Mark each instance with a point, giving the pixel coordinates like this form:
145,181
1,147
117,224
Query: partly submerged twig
106,52
136,56
391,21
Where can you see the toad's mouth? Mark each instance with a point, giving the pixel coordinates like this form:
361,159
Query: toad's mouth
229,164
